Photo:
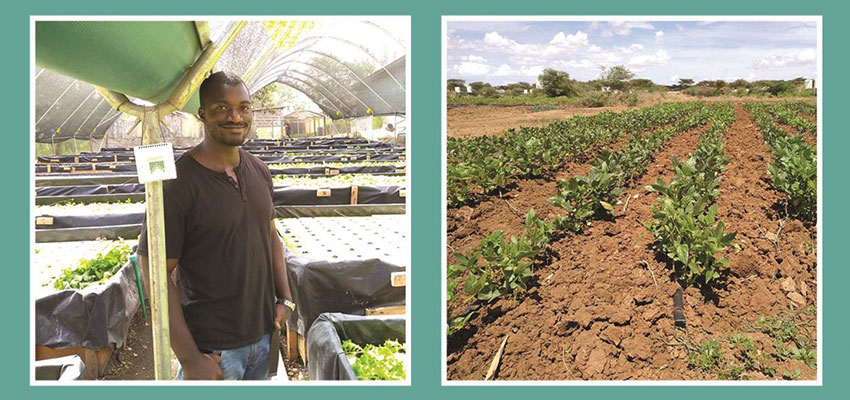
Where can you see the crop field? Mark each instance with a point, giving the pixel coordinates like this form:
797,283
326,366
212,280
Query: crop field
672,242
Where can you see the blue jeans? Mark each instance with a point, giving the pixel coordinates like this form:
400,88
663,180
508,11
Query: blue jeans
250,362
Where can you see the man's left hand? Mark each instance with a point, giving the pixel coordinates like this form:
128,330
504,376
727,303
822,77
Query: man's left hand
281,313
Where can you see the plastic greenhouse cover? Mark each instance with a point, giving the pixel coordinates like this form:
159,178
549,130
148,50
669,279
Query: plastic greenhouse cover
94,317
324,341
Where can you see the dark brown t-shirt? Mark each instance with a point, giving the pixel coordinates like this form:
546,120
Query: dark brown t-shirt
219,231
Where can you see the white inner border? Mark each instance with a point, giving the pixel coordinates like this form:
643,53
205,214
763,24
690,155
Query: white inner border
408,199
685,18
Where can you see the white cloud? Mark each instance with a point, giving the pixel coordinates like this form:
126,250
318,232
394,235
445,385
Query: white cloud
498,43
644,60
494,38
621,28
472,68
505,70
573,64
474,58
674,78
803,57
579,39
659,34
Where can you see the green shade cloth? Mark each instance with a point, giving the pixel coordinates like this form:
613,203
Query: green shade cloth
142,59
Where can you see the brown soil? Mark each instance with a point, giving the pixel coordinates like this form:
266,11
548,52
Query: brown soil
477,120
135,360
602,309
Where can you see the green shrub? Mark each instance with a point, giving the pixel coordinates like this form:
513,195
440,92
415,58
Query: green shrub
593,99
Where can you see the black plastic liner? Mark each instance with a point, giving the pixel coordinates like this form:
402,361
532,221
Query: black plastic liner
348,286
80,221
338,196
283,196
68,368
82,180
131,167
327,361
95,317
91,198
89,189
87,233
74,168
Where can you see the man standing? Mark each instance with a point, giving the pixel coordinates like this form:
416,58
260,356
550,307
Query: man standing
231,288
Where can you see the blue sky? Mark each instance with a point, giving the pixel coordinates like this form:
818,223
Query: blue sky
501,52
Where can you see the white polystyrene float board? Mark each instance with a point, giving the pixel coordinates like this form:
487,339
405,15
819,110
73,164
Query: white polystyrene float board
341,238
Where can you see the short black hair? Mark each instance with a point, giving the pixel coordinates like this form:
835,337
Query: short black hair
221,77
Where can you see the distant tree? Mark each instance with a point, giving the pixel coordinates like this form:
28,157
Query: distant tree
482,89
451,84
556,83
274,95
616,77
739,83
720,84
645,84
777,87
685,82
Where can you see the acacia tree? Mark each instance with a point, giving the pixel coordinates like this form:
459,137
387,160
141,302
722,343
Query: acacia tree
556,83
616,77
451,84
482,89
686,82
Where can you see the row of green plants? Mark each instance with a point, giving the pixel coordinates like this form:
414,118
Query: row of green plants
684,216
594,194
794,167
787,114
479,166
737,357
501,266
94,270
498,266
805,107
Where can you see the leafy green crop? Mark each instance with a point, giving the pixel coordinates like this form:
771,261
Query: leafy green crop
794,167
684,221
595,193
478,166
787,113
95,270
376,363
499,266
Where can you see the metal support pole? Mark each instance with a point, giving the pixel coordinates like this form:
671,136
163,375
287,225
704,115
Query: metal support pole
156,259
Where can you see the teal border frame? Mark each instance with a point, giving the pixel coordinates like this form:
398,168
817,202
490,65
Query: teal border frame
425,205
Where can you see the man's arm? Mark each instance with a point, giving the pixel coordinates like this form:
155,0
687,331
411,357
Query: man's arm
196,365
281,282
